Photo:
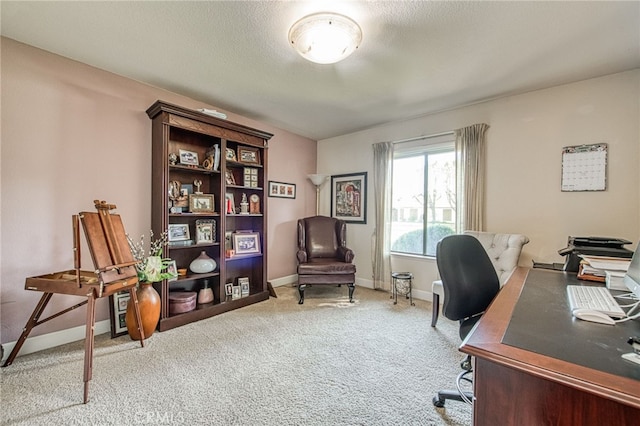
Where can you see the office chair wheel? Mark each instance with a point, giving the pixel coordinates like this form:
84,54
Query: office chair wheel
466,364
437,402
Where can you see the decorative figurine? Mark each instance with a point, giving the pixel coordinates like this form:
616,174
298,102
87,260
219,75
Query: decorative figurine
244,205
173,158
197,183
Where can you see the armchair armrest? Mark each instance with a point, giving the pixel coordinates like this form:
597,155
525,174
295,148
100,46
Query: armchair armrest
345,254
302,256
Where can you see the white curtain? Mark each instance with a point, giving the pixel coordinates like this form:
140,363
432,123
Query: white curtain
382,175
471,161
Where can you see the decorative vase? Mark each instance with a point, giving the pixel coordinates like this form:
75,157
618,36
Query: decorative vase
149,306
205,295
202,264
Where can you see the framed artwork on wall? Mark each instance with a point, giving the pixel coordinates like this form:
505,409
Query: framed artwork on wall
349,197
282,190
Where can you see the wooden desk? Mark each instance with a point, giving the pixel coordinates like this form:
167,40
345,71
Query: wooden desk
514,386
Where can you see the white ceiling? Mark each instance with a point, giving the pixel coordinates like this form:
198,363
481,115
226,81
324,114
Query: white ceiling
417,57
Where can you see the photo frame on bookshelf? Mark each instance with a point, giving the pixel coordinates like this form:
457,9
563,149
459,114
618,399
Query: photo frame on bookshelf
189,158
205,231
248,155
201,203
244,286
178,232
246,243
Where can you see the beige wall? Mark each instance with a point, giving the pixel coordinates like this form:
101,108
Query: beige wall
72,133
525,139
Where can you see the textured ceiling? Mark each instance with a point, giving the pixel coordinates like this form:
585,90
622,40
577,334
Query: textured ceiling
417,57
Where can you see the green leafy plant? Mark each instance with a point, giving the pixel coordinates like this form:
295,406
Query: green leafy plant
411,242
151,266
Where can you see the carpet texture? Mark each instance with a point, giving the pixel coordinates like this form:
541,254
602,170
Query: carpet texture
327,362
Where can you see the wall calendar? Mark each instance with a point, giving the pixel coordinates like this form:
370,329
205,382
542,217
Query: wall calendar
584,167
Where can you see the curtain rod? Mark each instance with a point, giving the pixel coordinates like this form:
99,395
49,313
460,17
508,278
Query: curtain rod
417,138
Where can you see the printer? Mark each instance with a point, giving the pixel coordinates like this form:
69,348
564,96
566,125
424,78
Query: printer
593,246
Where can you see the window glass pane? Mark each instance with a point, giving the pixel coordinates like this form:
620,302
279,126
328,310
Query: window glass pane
441,199
423,198
407,235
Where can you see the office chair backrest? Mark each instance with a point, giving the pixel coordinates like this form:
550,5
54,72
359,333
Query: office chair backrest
469,279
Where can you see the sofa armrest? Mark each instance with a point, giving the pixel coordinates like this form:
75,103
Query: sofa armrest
302,256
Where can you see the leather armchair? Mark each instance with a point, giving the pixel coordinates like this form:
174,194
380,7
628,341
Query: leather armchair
323,257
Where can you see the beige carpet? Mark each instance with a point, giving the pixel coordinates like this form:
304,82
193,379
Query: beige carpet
327,362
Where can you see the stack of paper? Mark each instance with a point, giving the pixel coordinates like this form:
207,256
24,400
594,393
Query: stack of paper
609,270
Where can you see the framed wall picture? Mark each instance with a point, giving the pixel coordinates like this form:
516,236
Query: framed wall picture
282,190
246,242
201,203
248,155
118,311
189,158
349,197
178,232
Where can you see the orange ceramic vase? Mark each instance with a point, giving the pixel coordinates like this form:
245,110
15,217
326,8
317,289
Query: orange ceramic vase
149,305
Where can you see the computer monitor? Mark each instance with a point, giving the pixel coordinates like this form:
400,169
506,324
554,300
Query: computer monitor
632,277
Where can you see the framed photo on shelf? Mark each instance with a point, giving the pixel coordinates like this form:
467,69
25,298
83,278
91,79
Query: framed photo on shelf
205,231
229,179
201,203
189,158
349,197
230,154
178,232
236,292
118,311
244,286
246,243
172,269
248,155
282,190
228,289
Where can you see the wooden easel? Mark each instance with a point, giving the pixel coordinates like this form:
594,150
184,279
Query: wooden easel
115,271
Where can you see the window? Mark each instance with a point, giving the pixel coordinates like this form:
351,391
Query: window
424,196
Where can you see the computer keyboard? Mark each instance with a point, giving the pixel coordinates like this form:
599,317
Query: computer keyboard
596,298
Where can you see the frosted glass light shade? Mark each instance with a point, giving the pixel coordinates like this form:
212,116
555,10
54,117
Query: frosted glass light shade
325,38
317,179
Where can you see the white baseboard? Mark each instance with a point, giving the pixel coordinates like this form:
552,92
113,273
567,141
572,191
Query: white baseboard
56,338
417,294
282,281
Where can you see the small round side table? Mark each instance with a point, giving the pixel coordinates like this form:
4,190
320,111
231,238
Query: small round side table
402,283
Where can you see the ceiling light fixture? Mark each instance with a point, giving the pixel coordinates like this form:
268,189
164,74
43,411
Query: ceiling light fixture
325,38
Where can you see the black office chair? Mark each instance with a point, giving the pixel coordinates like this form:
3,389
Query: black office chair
470,284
